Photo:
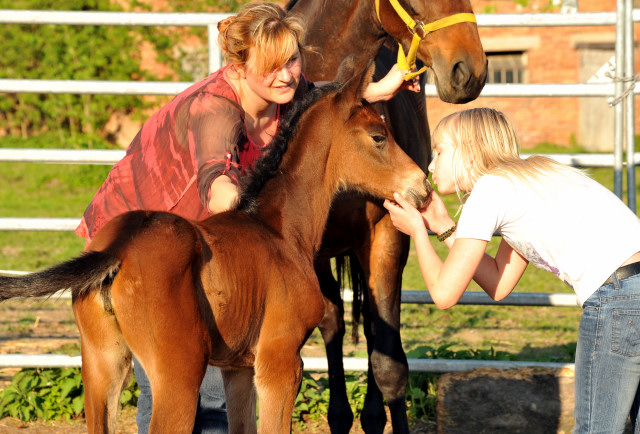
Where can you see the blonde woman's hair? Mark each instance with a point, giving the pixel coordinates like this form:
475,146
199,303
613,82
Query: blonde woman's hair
485,142
267,29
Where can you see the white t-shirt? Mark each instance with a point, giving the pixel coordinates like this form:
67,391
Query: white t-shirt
577,228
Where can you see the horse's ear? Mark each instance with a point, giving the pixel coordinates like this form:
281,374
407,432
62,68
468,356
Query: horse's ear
346,69
366,77
355,82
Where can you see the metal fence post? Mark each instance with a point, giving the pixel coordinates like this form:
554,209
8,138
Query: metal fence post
629,104
618,136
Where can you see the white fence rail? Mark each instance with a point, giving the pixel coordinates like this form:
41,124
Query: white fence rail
315,364
622,19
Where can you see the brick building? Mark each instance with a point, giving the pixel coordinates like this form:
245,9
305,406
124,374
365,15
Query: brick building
547,55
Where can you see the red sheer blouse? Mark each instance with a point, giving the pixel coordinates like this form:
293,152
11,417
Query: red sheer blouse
180,150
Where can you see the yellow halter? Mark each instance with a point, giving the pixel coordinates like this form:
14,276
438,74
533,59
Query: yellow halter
420,30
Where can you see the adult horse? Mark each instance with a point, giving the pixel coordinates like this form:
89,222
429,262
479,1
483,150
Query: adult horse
450,46
227,290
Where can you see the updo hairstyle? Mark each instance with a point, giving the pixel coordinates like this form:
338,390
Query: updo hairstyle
267,29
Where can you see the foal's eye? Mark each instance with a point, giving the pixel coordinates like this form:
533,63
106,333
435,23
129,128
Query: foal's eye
379,140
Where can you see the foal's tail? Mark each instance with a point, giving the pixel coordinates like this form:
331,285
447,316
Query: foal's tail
82,274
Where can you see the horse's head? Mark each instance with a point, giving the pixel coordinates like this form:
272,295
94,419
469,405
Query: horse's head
364,156
452,49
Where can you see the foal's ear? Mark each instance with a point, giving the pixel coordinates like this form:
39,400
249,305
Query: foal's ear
346,69
355,82
365,78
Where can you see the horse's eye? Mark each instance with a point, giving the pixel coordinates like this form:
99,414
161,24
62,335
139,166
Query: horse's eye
379,140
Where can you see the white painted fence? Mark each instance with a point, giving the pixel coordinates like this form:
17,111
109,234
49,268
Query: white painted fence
623,20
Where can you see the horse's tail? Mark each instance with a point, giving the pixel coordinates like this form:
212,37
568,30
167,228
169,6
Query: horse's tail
81,275
349,263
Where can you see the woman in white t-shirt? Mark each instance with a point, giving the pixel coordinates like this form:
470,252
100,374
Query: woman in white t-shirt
553,216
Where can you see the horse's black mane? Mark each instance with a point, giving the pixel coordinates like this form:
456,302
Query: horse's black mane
266,167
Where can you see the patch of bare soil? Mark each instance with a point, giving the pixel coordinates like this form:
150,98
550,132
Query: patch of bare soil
126,425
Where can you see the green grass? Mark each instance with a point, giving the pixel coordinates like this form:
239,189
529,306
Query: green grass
44,190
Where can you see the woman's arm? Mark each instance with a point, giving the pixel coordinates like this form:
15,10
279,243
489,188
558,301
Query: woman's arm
447,281
223,195
215,127
387,87
498,276
467,259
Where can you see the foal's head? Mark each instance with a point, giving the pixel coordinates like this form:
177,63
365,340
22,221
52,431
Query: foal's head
364,155
349,143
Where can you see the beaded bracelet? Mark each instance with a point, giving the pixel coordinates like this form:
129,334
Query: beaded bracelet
446,234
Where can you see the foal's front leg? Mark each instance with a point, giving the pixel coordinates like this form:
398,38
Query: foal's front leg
278,365
278,377
240,400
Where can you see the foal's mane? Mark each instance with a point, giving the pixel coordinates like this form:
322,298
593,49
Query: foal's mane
266,167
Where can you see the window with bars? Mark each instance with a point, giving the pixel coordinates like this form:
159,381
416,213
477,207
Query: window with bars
504,67
507,67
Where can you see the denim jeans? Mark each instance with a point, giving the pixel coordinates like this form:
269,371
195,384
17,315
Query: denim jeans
211,415
608,359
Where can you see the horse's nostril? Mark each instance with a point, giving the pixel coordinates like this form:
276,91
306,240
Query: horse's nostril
460,75
427,185
419,197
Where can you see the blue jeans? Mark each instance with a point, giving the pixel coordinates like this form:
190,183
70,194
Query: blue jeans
608,359
211,415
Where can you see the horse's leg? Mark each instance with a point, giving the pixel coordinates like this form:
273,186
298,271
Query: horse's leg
278,378
106,362
387,255
373,418
278,365
241,400
332,329
160,316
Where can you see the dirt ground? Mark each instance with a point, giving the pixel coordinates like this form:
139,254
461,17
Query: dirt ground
39,327
127,425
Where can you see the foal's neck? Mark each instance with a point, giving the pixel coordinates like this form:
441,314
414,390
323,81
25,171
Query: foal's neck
296,202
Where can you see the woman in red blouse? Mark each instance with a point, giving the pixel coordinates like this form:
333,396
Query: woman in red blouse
189,157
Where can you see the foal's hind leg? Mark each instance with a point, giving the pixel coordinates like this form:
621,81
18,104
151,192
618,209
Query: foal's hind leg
332,328
160,311
106,362
170,340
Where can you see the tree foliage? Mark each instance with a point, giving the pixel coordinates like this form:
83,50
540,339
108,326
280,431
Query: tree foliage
64,52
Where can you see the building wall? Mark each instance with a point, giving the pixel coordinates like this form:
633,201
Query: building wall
553,55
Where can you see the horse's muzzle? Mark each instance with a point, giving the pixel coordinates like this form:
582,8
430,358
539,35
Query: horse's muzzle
419,197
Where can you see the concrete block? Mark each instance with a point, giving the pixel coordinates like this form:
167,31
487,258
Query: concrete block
487,400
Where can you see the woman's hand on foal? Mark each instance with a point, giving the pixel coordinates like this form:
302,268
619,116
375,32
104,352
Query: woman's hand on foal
404,216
